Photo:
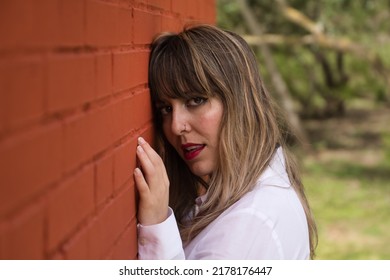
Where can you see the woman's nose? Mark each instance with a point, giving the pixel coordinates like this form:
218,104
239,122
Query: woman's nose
179,123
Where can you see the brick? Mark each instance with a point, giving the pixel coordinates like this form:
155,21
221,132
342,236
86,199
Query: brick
127,247
71,22
103,75
162,4
180,7
77,248
78,141
130,69
57,256
28,23
28,164
100,23
124,22
2,241
22,86
111,223
131,113
34,161
145,2
69,205
87,134
119,129
104,174
2,111
141,109
17,23
24,237
148,134
171,24
124,163
123,117
107,25
101,124
146,26
46,22
71,81
130,202
128,118
207,11
192,9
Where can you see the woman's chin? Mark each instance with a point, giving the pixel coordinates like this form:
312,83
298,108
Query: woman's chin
200,170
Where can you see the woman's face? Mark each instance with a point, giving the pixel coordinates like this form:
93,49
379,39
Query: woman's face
192,128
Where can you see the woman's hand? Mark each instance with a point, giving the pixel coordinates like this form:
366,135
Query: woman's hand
152,184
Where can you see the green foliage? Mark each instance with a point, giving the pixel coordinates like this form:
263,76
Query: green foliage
348,182
351,205
386,145
362,17
365,82
228,15
365,22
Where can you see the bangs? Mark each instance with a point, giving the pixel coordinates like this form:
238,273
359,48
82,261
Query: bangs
172,73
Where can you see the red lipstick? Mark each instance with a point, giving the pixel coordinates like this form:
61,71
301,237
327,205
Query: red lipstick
192,150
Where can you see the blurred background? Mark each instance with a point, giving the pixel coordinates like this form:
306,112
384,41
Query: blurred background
327,63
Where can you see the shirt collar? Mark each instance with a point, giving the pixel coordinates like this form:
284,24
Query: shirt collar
274,175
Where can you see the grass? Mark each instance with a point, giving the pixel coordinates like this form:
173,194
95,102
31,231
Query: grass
348,186
352,210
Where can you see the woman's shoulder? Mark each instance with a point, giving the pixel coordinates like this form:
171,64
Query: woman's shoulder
270,200
272,196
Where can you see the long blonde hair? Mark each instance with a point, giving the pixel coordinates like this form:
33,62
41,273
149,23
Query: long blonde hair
212,62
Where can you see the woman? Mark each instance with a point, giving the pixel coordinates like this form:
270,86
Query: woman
222,165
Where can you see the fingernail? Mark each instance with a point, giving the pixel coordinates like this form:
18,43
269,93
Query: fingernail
139,148
141,140
137,171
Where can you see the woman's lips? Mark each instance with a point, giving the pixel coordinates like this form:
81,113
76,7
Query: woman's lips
191,150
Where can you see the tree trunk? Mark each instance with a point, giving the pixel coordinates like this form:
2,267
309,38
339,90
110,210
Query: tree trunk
279,84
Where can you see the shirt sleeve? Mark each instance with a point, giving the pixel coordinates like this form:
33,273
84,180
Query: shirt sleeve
245,234
161,241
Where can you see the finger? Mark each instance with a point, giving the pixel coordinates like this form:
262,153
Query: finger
154,175
147,165
156,164
154,157
141,183
152,154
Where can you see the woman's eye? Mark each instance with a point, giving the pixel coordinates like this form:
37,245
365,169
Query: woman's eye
165,110
196,101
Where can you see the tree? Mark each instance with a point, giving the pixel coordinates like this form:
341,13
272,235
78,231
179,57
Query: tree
316,49
278,82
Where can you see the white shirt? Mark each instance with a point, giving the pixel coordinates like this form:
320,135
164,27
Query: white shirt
267,223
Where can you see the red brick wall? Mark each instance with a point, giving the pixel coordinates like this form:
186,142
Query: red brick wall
73,100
